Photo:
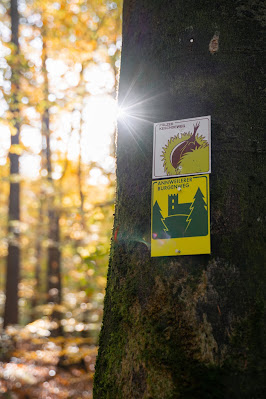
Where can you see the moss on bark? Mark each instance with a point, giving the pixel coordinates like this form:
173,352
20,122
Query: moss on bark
192,326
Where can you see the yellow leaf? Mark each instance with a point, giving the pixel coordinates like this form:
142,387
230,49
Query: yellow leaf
16,149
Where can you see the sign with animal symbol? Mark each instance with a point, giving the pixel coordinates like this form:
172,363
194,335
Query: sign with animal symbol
182,147
180,222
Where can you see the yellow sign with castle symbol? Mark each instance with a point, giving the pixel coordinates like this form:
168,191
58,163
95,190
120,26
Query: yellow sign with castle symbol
180,216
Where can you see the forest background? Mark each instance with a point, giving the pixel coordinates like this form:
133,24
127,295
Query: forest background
57,122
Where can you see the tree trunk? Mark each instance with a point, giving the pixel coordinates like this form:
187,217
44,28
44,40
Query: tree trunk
54,260
38,255
13,257
54,286
54,253
188,326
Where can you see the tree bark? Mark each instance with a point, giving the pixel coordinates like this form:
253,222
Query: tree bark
13,257
188,326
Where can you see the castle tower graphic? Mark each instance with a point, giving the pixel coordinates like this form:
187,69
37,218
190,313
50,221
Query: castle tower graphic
174,208
172,204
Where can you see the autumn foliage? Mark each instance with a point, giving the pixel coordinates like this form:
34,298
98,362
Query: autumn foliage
59,65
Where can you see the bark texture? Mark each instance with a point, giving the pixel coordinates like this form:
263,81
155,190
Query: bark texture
189,326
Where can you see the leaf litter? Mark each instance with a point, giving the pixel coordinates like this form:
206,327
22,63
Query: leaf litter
47,368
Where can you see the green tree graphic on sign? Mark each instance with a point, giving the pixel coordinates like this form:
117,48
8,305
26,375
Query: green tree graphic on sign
158,226
198,217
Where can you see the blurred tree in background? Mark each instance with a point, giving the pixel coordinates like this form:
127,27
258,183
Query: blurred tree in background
59,64
13,255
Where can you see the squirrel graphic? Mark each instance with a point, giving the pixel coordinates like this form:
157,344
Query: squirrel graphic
182,148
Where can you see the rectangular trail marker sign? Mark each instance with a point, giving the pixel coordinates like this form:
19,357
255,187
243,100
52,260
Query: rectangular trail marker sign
180,222
182,147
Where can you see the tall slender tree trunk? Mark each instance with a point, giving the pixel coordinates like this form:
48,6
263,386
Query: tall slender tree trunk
79,176
189,326
54,287
38,256
54,253
13,257
54,260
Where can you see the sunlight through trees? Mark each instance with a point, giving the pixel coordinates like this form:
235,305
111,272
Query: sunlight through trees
59,65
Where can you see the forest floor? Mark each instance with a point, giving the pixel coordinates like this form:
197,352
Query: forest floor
34,367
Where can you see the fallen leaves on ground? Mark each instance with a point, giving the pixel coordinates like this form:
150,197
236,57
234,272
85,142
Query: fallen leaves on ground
48,368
